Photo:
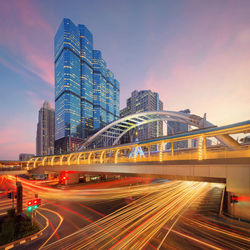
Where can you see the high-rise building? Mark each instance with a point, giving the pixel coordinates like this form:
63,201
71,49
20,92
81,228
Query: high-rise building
45,134
87,97
178,127
141,101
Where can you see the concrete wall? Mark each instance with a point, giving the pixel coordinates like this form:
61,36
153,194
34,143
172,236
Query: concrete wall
14,172
236,176
72,178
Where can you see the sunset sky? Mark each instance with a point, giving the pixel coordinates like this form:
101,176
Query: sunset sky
196,54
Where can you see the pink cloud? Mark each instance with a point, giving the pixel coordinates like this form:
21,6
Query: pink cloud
26,35
210,71
13,67
34,99
18,136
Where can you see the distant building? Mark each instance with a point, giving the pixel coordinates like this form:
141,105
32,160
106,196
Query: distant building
178,127
87,96
245,140
25,157
195,142
45,135
141,101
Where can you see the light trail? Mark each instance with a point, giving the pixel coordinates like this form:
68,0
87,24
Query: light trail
49,193
55,230
137,223
219,230
195,239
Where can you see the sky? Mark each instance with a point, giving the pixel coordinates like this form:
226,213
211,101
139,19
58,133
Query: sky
194,53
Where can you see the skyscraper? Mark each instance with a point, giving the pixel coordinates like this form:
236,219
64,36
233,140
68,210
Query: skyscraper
87,97
178,127
141,101
45,134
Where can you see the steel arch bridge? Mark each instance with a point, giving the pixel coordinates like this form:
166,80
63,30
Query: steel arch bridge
113,132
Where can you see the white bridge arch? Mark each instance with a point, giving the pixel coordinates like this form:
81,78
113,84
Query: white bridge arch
115,130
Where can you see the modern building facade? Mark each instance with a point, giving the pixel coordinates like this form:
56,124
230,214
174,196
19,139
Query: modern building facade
25,157
87,96
45,135
141,101
178,127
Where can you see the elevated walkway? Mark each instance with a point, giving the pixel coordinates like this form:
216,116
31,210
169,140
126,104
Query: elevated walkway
234,172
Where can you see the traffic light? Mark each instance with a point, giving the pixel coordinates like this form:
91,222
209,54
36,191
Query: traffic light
30,208
9,195
234,199
63,178
30,203
37,202
33,204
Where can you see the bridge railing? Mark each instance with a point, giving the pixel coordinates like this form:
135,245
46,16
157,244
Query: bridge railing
155,149
123,154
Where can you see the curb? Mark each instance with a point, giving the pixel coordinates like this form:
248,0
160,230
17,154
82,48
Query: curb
25,239
21,241
236,218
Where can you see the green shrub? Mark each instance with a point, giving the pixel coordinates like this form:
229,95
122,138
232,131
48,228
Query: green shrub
16,227
11,212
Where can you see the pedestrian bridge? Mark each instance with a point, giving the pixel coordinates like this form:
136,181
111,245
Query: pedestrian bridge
218,163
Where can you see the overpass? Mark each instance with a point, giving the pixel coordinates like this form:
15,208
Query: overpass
12,167
228,163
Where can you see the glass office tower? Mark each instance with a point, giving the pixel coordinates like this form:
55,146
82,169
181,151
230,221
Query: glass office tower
87,97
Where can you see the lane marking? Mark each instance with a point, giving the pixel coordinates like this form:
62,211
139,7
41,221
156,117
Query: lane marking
47,221
61,220
9,247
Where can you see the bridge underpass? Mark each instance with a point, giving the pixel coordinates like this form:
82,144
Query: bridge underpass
234,172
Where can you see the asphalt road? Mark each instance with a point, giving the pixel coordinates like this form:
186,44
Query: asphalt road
115,223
